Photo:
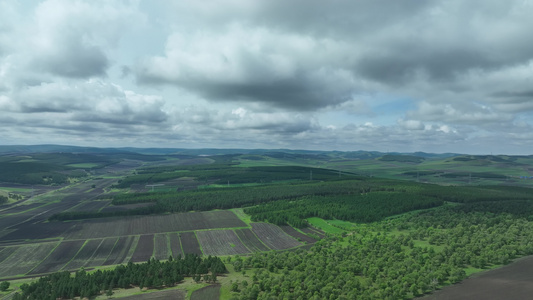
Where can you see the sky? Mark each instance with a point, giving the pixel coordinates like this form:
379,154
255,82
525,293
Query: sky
403,76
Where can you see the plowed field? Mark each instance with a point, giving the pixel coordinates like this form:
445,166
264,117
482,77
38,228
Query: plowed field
221,242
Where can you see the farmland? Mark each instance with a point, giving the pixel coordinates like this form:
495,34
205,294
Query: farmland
152,224
221,242
274,237
189,243
250,240
252,207
24,258
58,258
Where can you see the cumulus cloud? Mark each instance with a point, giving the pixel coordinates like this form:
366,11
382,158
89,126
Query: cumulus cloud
90,106
302,74
254,65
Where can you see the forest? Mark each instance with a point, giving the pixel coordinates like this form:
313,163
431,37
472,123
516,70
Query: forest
399,258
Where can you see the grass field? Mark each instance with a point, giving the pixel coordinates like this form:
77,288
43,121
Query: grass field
84,165
324,225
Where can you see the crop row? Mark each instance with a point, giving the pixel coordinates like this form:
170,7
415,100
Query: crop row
48,257
153,224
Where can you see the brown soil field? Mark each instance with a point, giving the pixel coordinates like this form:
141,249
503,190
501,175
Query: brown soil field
189,243
220,242
120,251
6,252
25,258
511,282
90,206
111,208
145,249
58,258
84,255
102,252
250,240
163,295
140,225
308,230
20,208
273,236
30,231
297,235
175,244
161,247
210,292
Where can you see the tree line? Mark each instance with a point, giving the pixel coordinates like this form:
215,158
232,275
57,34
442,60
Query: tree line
365,208
152,274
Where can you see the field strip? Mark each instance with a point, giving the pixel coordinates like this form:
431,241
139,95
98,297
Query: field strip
250,250
199,245
169,245
85,254
117,250
131,250
274,237
23,243
30,209
6,253
178,242
145,248
252,239
58,258
239,212
111,251
124,252
299,236
102,252
189,243
49,253
161,247
221,242
260,239
25,258
152,224
73,257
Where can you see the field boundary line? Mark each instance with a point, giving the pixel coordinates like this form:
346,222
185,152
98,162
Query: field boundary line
199,244
251,251
181,244
154,242
14,214
114,245
68,263
211,229
238,215
132,248
261,240
95,250
49,253
12,253
169,246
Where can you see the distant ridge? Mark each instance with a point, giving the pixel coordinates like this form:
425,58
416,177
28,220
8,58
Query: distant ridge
50,148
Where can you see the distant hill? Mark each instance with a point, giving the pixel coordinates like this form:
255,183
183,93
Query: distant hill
280,153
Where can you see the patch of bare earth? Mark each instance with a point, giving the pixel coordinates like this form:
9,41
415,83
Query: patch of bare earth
511,282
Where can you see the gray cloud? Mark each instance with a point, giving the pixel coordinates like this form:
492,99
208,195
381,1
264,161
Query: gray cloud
374,75
73,59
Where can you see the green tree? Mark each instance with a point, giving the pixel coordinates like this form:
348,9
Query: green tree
4,285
